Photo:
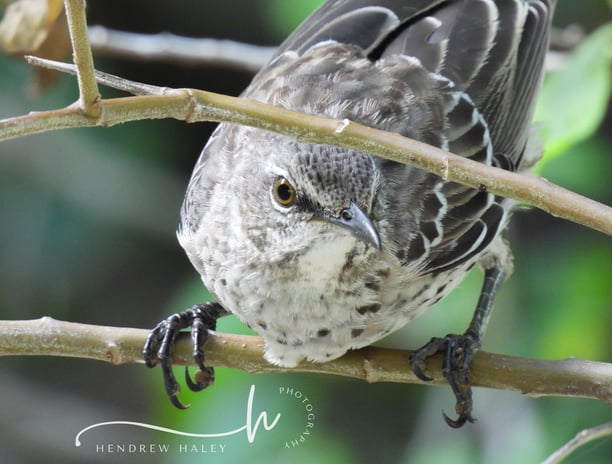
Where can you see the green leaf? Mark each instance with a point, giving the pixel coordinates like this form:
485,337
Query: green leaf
574,99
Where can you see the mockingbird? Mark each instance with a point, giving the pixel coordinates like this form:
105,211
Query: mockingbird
322,249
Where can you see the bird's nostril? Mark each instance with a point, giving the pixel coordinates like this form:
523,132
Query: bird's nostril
346,215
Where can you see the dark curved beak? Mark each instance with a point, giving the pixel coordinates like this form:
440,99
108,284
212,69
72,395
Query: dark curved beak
357,223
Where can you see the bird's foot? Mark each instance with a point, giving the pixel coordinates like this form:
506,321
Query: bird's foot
160,345
457,352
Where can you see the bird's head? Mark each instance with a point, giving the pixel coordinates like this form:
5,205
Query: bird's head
290,197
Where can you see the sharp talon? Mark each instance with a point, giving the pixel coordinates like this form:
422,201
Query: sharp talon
172,386
193,386
418,369
459,422
422,376
177,403
203,378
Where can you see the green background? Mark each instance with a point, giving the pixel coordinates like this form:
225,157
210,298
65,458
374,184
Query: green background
87,234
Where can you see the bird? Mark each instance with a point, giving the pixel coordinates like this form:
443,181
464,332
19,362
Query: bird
321,249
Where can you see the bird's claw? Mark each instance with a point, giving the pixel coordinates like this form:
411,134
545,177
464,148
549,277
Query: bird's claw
457,352
160,344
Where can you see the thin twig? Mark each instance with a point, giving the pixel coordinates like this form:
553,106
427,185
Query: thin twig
117,345
196,105
88,87
582,438
109,80
186,50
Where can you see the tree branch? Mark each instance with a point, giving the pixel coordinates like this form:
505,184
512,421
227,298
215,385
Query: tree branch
170,47
88,87
116,345
196,105
582,438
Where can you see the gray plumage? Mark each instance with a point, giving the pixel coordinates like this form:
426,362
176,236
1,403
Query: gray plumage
270,223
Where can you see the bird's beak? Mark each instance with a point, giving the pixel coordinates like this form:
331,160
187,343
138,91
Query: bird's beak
357,223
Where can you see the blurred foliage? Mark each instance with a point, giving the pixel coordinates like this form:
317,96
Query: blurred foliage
585,83
283,16
87,234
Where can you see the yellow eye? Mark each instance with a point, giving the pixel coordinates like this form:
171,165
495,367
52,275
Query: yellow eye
284,192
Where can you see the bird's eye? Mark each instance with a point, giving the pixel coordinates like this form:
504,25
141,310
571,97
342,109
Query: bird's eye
284,192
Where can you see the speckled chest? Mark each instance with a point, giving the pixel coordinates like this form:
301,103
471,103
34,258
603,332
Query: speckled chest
338,295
